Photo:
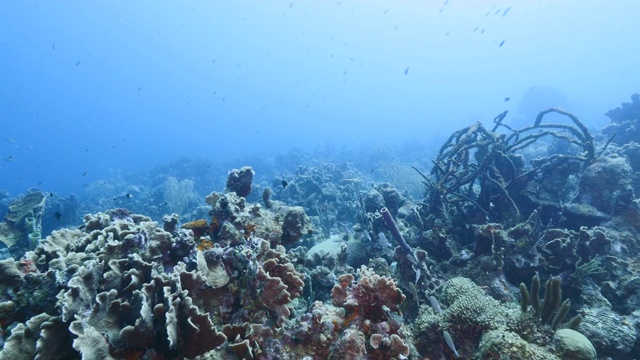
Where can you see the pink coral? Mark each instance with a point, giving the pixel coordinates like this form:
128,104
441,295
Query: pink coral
274,295
369,295
281,283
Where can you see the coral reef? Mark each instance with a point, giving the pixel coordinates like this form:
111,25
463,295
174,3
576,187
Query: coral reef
320,263
624,122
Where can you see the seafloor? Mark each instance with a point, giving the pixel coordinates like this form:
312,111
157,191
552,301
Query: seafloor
513,244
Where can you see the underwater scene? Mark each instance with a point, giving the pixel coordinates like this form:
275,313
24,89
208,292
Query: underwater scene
340,179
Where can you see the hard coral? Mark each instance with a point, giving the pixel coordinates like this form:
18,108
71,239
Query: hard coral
370,295
279,281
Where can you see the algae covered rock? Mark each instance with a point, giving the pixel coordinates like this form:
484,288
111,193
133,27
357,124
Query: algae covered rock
239,181
295,224
606,185
573,345
510,346
611,333
210,265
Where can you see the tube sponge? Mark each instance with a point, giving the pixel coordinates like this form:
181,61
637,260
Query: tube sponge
388,219
552,299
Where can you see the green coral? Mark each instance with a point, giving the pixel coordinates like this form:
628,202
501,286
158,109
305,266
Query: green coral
470,308
468,313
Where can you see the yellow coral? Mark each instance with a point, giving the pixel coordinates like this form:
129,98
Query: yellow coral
198,227
198,224
204,244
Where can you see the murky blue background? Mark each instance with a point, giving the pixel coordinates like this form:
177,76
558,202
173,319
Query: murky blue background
96,87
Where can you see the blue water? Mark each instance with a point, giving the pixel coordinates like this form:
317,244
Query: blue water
91,89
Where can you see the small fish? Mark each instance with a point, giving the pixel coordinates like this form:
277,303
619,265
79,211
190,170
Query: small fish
414,292
124,196
9,158
501,43
51,194
87,149
382,241
507,99
285,183
290,5
506,11
435,305
449,341
10,140
365,236
78,62
53,46
57,215
386,11
406,71
85,173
